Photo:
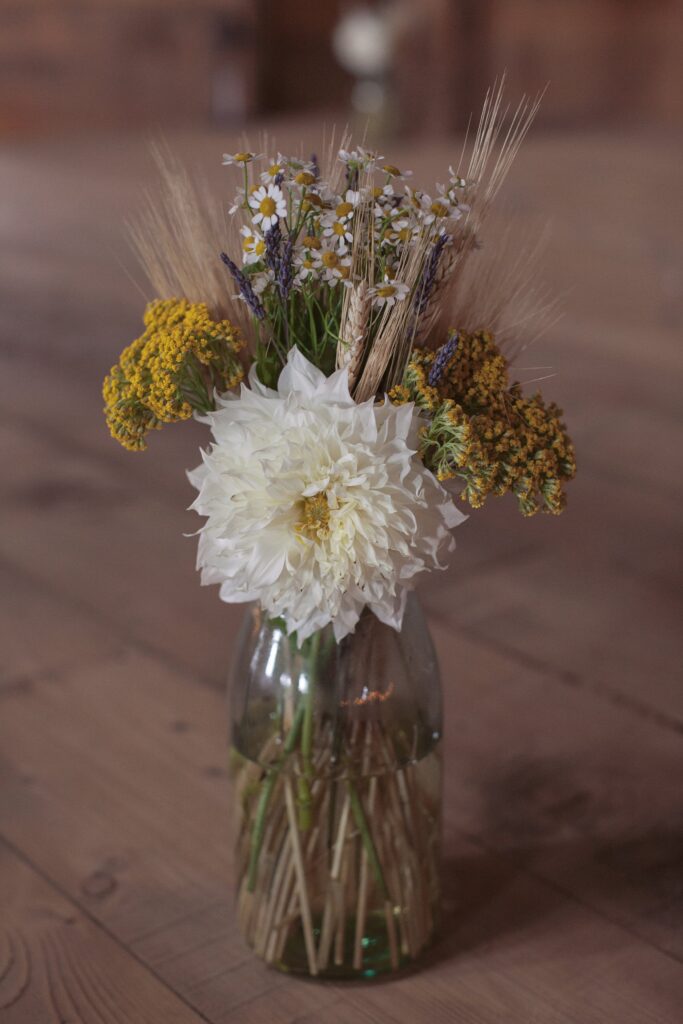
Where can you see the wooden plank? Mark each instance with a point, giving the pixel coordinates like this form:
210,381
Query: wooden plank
595,608
57,965
130,811
124,804
117,551
580,793
37,635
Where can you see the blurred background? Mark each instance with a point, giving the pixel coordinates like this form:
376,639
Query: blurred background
559,638
84,65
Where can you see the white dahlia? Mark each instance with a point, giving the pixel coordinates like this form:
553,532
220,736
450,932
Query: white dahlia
317,506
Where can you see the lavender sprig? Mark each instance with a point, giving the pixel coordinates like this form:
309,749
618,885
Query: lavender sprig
429,274
444,354
284,276
315,167
246,290
271,257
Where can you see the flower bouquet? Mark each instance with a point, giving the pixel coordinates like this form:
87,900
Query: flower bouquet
371,343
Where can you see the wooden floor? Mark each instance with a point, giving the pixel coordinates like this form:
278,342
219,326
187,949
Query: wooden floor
559,641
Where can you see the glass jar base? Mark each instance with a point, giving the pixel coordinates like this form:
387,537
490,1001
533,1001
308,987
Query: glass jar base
351,959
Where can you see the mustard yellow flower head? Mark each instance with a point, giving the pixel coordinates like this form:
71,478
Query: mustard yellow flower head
172,370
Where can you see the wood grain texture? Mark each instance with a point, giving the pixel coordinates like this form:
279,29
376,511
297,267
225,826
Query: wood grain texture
56,964
559,641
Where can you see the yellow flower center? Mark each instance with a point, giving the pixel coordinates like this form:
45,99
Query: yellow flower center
315,516
267,206
439,209
339,229
248,242
386,291
310,242
260,247
243,158
330,259
391,169
304,178
274,170
344,209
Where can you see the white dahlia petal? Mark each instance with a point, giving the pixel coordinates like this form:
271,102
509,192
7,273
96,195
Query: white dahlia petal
315,506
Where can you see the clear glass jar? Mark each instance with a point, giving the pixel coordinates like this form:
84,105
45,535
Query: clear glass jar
337,771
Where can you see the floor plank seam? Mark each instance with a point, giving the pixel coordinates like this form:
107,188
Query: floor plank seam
119,634
25,859
542,879
569,678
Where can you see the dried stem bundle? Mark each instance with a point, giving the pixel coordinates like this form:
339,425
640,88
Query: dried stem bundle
376,858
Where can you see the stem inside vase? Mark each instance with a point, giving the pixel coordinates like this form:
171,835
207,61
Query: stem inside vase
339,830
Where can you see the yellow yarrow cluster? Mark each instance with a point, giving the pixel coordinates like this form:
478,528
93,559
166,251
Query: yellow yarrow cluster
170,371
484,430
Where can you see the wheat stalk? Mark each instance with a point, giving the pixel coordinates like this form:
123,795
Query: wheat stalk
353,332
500,289
178,238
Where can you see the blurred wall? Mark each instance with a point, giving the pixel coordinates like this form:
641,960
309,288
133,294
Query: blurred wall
82,64
76,65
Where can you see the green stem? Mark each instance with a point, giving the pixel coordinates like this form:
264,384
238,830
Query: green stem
366,836
306,777
266,793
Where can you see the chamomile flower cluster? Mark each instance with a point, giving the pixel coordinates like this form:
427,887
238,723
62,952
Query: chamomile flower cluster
306,239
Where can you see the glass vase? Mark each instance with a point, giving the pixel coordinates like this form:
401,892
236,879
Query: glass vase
336,763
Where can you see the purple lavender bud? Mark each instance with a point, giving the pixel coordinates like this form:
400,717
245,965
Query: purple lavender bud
246,290
429,275
279,178
271,256
315,168
444,354
285,270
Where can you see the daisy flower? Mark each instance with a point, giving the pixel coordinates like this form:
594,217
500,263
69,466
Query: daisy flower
238,201
384,198
253,245
337,223
394,172
388,293
275,167
304,178
317,506
239,158
332,265
455,179
427,209
269,206
360,157
305,266
448,197
400,231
